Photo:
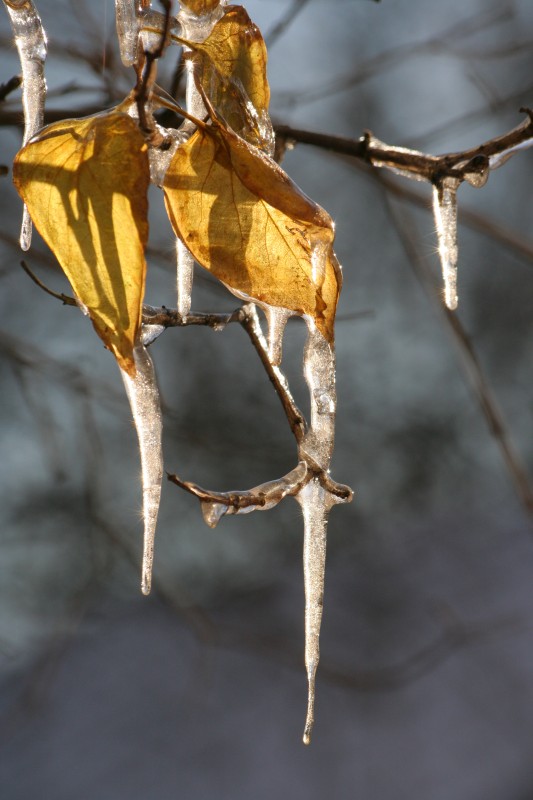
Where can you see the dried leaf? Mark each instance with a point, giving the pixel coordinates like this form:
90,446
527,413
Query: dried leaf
245,221
85,183
200,7
230,66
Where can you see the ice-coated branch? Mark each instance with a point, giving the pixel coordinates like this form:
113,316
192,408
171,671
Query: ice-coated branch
413,163
30,40
260,498
147,71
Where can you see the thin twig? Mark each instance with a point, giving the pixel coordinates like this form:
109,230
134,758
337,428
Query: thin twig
65,299
9,86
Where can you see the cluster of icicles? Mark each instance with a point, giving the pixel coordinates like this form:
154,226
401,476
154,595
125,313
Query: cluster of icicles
139,29
136,24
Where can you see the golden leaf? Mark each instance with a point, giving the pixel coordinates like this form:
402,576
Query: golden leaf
245,221
200,7
230,66
85,183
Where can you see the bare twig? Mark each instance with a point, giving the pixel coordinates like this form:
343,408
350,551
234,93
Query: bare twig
10,86
65,299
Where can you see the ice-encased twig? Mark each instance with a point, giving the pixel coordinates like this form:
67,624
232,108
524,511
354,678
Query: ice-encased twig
143,395
445,213
195,29
261,498
30,40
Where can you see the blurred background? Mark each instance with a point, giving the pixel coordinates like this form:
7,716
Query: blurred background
425,688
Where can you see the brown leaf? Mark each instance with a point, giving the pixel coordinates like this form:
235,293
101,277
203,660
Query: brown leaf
85,183
230,67
245,221
200,7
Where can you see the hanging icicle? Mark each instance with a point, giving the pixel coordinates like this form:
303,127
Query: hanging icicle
127,19
30,40
143,395
445,213
316,502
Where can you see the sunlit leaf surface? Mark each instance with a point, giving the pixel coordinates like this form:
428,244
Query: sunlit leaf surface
85,183
245,220
200,6
230,66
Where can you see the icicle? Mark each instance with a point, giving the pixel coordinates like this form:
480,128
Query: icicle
127,20
445,213
277,319
184,277
319,371
143,396
30,40
316,503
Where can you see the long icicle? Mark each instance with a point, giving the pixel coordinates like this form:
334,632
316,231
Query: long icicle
315,500
143,395
30,40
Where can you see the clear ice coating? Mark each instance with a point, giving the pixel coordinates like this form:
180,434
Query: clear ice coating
30,40
277,319
127,14
195,29
260,498
315,503
143,395
315,500
184,277
445,213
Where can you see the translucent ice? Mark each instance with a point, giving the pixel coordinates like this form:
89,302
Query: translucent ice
184,277
445,213
127,14
316,503
143,395
277,319
30,40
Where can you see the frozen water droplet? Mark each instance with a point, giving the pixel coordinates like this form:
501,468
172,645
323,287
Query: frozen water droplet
143,395
324,402
213,512
150,333
277,319
445,213
476,172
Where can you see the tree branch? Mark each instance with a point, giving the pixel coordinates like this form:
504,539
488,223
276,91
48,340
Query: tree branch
420,166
